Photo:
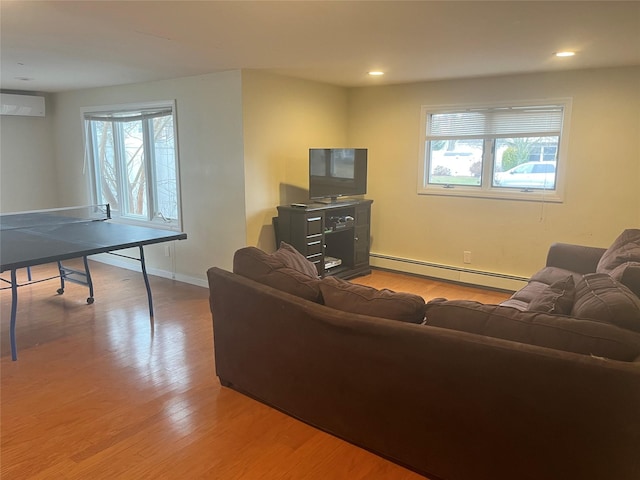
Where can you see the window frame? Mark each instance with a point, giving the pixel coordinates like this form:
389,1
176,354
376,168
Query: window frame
152,219
486,189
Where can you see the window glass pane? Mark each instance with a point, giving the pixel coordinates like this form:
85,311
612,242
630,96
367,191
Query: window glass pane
526,162
165,167
135,178
105,164
455,162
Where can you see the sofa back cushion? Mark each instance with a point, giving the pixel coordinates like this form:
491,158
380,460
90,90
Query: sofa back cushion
600,297
628,274
354,298
552,331
269,269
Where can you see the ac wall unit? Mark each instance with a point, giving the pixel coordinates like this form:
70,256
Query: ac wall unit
24,105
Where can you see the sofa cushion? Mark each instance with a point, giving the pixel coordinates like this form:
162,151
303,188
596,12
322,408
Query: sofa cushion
253,263
292,258
354,298
555,298
625,248
600,297
552,331
628,274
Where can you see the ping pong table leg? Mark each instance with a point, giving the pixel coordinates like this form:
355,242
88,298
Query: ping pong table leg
62,275
14,308
76,276
89,281
146,281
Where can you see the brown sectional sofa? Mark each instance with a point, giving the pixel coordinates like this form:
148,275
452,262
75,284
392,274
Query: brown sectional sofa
453,390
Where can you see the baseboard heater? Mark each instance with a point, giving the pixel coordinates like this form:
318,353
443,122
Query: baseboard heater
452,273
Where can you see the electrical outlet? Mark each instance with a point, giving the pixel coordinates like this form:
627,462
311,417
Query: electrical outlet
466,256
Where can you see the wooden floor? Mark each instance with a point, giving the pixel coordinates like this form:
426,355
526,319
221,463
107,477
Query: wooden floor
100,393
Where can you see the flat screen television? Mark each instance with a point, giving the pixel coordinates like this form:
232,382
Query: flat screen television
337,172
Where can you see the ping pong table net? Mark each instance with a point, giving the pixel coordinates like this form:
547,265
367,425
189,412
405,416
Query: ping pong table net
55,216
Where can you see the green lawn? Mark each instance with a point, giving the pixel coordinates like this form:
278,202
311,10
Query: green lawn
454,180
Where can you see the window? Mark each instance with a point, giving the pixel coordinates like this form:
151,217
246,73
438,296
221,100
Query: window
500,151
133,156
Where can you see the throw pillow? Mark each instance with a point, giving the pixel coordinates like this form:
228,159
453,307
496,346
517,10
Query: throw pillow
292,258
253,263
600,297
538,287
625,248
354,298
532,290
555,298
549,275
533,328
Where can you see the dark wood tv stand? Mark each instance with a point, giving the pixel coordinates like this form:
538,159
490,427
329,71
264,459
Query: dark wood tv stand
322,232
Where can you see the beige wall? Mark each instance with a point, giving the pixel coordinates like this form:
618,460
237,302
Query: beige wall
283,118
243,143
209,113
506,237
27,163
244,140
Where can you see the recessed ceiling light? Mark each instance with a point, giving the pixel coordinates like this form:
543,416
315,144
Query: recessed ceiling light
376,73
565,54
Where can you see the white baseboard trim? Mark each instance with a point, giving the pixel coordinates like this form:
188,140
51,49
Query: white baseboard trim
399,264
135,266
448,272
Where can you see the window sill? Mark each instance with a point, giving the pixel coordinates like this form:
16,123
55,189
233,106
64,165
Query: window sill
159,225
495,194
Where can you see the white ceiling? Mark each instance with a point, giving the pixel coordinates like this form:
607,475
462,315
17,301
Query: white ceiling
51,46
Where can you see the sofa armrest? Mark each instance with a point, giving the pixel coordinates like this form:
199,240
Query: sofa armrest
575,258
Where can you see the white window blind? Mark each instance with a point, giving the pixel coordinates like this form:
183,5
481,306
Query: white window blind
499,122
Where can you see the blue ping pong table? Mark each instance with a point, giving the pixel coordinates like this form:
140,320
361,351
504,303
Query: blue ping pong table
47,236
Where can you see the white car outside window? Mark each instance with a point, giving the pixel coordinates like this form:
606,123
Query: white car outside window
528,175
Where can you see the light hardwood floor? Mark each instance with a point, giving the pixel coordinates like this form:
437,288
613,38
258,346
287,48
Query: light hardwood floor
99,393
